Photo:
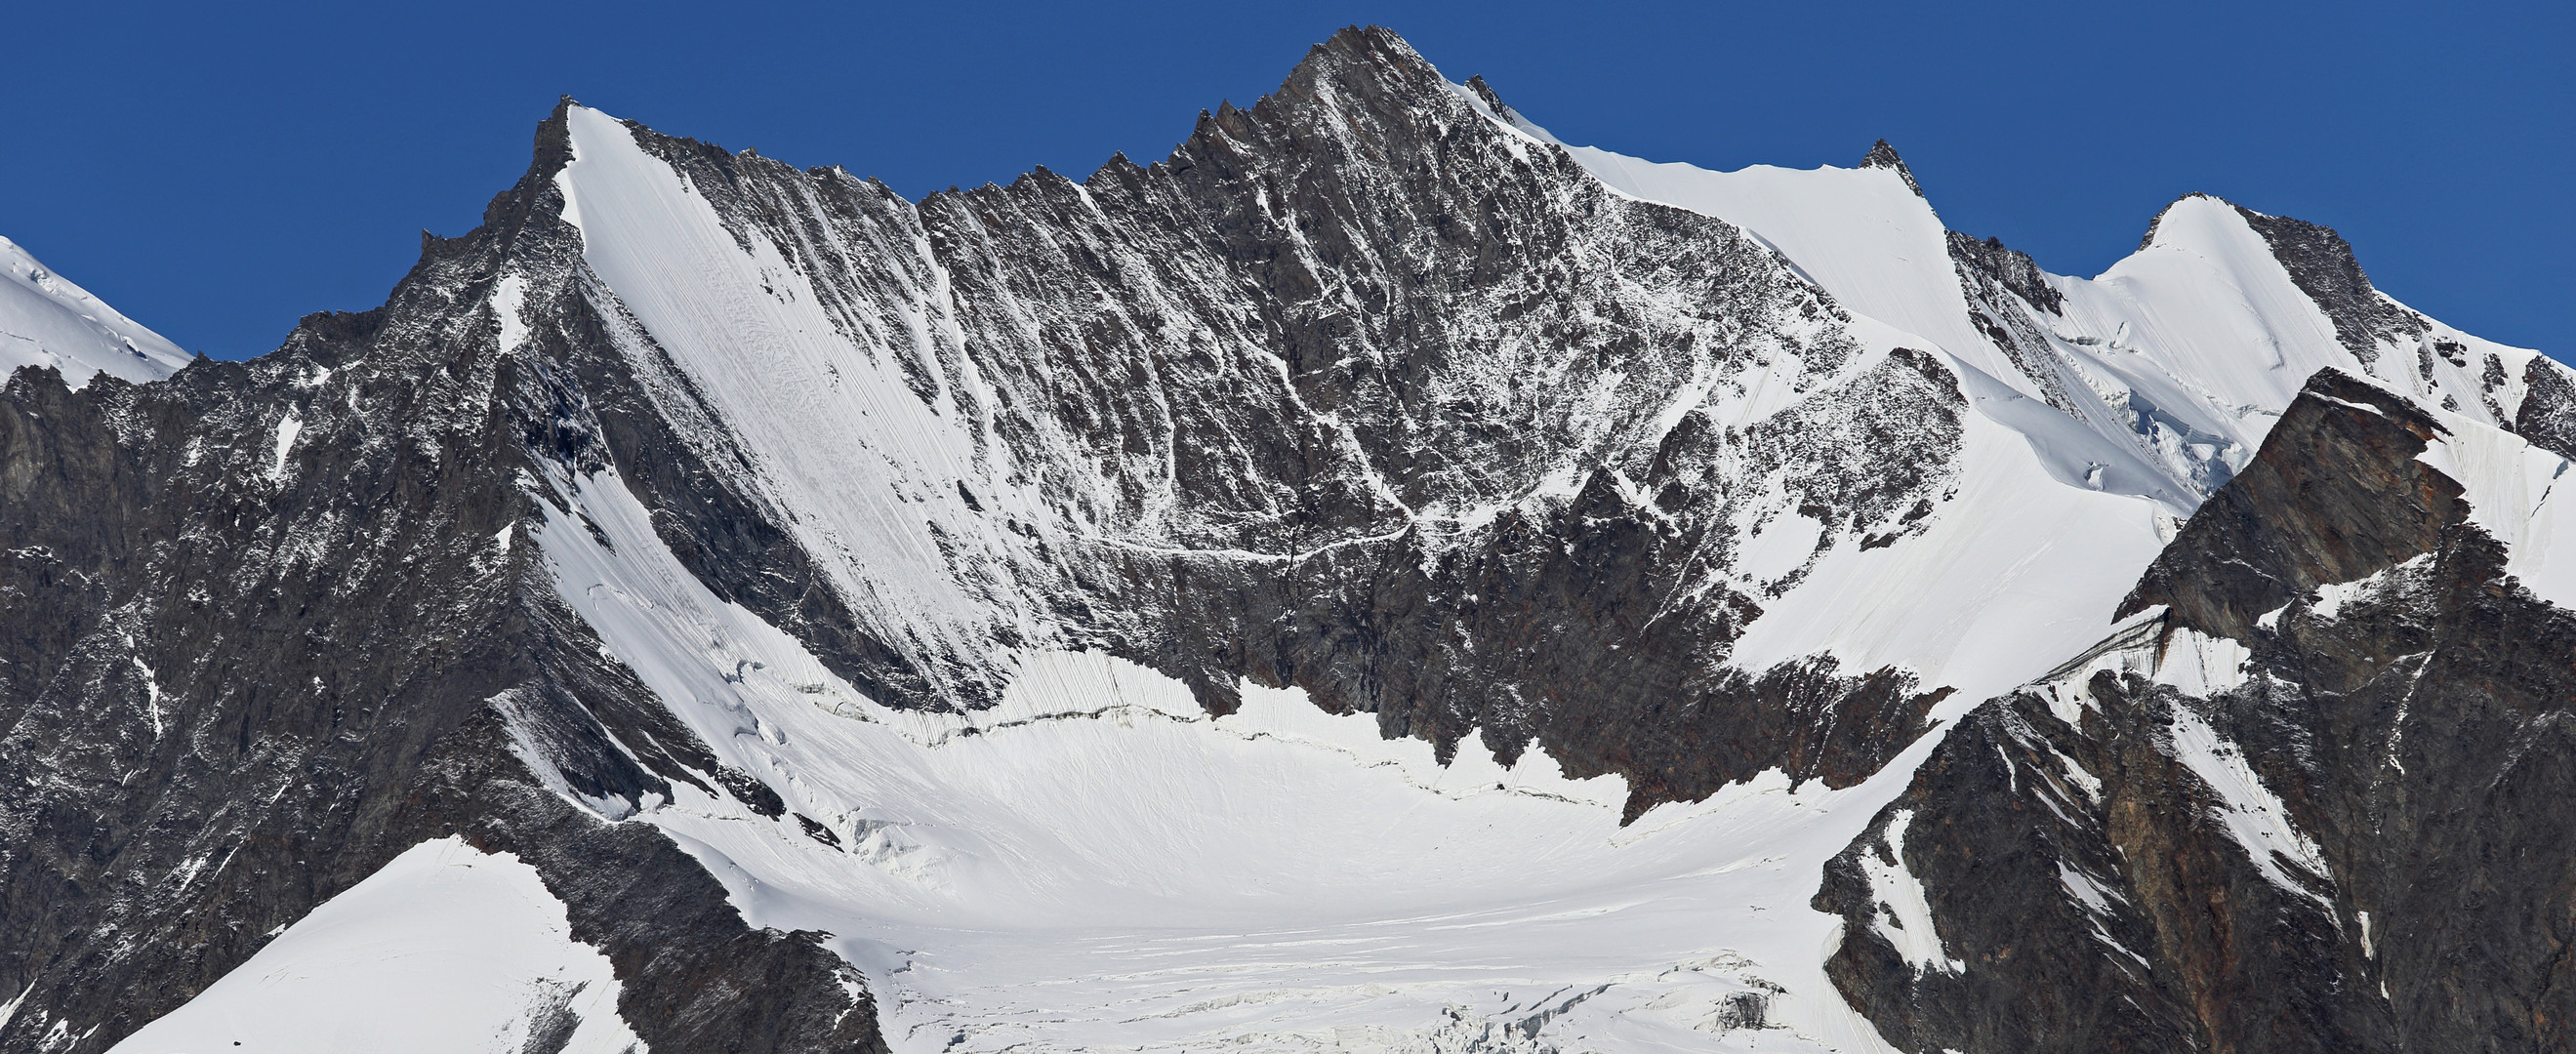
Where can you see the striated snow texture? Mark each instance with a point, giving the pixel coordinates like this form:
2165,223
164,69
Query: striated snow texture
45,320
447,949
1377,579
1097,862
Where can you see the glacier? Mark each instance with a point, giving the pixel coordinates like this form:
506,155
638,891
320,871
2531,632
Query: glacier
1025,831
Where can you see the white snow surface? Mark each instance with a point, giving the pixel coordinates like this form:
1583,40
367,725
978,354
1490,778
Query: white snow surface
282,445
1904,914
2254,816
865,474
445,950
2180,355
45,320
2512,490
1859,232
1097,863
2019,571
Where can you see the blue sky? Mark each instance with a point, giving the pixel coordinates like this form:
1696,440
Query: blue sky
217,171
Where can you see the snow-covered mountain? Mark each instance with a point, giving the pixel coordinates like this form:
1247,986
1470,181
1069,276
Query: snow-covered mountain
45,320
1377,578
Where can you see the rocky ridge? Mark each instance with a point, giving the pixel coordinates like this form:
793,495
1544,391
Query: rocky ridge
2298,803
1371,390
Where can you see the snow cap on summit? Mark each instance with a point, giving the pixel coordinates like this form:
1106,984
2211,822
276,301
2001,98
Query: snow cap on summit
2157,223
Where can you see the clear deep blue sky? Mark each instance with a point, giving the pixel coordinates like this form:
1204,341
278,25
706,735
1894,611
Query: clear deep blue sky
217,171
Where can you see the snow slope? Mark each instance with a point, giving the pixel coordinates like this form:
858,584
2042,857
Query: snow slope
2023,565
447,949
1861,233
2512,490
2055,511
1097,863
2181,354
45,320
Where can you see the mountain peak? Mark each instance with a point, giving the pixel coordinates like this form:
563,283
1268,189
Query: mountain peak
686,527
2318,260
1368,41
1365,81
1363,60
2324,267
1881,155
2157,223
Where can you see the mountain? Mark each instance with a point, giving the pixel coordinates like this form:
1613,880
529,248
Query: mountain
1379,577
45,320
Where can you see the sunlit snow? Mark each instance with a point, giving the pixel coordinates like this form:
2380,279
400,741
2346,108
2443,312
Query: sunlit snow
445,949
1096,863
45,320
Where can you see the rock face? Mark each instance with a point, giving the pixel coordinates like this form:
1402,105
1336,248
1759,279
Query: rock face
268,629
1277,407
2362,502
2322,264
2302,803
1274,408
1373,391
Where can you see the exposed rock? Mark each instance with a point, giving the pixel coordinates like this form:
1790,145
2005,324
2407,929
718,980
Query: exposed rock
1440,289
1988,261
2342,457
1882,155
2322,264
2547,416
2348,845
244,677
269,627
1361,391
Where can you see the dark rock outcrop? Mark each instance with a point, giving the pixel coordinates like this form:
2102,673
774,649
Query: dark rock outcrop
2351,845
1882,155
2002,287
1990,261
2322,265
269,624
2337,496
248,664
2547,416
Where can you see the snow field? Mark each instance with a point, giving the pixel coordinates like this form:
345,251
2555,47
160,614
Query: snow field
2010,578
445,950
834,434
45,320
2512,490
1098,864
